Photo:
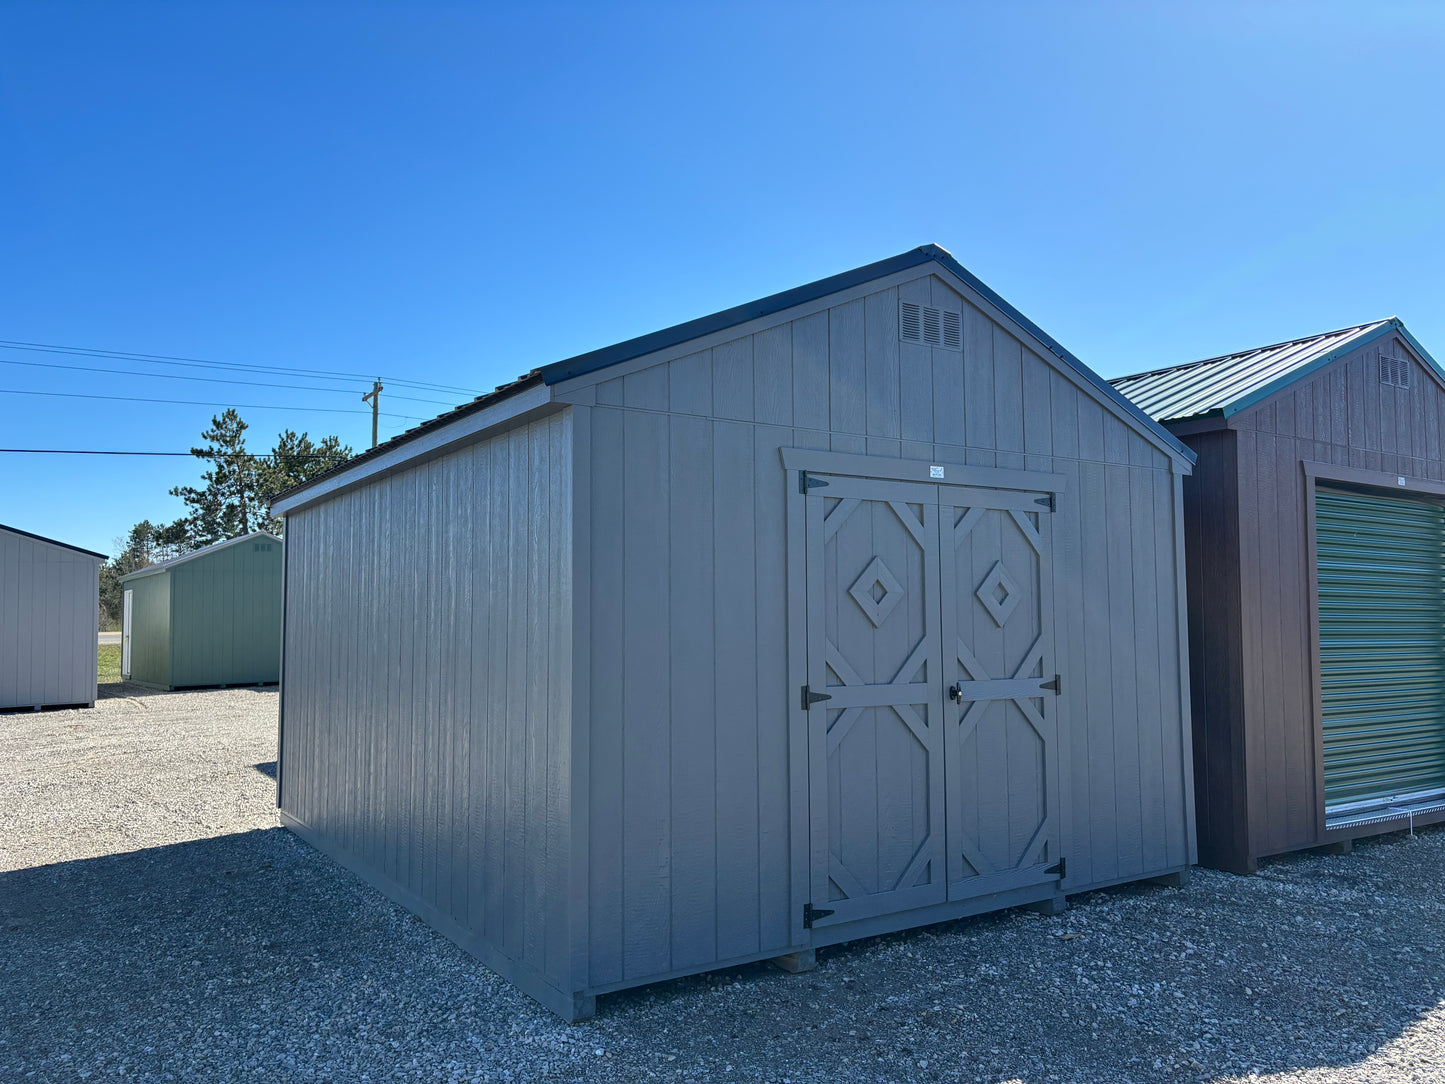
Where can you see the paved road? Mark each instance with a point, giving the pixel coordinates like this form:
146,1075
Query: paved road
110,637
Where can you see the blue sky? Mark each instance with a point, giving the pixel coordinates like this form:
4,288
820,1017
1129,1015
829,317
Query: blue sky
457,193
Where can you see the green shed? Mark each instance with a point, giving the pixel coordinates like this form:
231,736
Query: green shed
212,617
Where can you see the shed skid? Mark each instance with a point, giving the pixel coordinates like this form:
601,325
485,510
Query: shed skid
758,636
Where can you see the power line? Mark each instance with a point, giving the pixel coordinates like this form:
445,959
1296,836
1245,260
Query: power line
169,359
208,455
193,402
207,379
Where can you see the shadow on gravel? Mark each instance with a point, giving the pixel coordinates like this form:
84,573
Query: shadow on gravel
253,955
268,769
115,690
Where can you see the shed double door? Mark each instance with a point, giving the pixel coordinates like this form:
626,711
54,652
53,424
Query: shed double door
930,695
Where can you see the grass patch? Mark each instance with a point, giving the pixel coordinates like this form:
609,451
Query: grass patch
109,663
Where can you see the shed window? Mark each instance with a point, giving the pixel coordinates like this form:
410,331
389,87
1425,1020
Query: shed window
1394,371
935,327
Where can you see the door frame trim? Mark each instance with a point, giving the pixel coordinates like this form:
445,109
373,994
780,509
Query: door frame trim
1389,484
890,468
796,461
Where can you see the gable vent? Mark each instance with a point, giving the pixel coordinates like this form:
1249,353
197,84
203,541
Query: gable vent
1394,371
935,327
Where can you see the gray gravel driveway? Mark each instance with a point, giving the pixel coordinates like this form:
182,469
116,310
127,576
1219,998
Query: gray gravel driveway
156,924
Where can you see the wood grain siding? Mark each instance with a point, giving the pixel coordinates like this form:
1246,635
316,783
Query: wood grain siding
1342,415
428,713
1216,656
690,811
225,617
49,613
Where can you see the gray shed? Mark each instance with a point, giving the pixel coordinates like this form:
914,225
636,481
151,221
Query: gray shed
852,609
49,616
212,617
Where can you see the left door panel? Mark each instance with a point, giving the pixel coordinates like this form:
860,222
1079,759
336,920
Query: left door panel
875,726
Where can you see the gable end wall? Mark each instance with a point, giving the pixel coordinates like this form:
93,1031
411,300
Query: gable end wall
1344,416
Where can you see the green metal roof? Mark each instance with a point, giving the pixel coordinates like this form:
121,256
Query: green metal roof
1230,383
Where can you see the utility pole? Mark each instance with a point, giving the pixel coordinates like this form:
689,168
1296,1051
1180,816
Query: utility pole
374,397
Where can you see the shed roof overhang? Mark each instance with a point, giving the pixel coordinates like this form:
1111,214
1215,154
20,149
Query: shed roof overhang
472,420
165,566
52,542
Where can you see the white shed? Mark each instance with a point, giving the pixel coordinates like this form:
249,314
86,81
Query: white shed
49,614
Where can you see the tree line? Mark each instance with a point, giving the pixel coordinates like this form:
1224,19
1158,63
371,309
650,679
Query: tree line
232,500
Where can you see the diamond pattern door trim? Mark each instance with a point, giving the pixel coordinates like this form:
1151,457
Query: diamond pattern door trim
1000,607
876,574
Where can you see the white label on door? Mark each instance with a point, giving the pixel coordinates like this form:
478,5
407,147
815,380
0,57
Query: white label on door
935,472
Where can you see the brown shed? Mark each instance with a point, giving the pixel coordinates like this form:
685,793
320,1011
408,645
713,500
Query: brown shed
1315,535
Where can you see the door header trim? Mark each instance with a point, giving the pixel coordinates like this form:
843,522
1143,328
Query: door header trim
919,470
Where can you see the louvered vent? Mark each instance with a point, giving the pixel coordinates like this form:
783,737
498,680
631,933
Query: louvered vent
935,327
1394,371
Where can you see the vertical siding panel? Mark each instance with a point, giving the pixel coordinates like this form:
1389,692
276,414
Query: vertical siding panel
846,380
811,408
880,362
1122,652
978,386
689,384
1149,634
480,763
773,375
1071,710
1105,782
609,466
694,734
1064,417
1038,422
647,389
774,781
1295,676
1252,572
1008,398
501,665
559,719
735,632
646,841
515,860
732,387
538,631
1172,725
461,510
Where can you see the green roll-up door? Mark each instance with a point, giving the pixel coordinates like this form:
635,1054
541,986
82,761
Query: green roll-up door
1381,568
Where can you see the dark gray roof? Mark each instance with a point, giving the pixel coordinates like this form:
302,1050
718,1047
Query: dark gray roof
1230,383
590,362
52,541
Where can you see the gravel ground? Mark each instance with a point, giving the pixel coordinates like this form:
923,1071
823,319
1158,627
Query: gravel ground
156,924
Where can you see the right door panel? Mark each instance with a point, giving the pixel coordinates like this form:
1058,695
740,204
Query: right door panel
1000,748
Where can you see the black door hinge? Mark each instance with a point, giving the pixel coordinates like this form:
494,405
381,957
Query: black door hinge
811,915
810,697
1055,686
1058,869
806,483
1046,502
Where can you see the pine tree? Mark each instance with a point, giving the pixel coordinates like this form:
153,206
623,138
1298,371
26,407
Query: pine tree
295,459
230,503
